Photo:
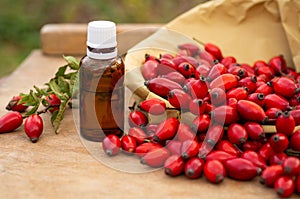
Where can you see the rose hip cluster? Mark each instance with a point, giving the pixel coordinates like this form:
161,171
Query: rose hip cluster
231,102
33,125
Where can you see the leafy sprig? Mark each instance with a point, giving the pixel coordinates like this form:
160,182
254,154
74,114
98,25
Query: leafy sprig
63,85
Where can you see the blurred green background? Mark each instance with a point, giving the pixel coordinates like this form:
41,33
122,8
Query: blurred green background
21,20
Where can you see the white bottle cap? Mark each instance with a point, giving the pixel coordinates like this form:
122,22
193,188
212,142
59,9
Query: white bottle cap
101,34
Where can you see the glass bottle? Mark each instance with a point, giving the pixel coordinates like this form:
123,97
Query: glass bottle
101,84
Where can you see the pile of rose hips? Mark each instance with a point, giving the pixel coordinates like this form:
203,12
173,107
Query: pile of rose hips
231,102
33,125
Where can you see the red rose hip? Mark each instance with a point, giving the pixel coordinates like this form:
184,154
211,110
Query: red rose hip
10,121
111,145
174,165
33,127
214,171
193,168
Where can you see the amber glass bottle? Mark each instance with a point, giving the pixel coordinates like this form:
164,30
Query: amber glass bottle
101,84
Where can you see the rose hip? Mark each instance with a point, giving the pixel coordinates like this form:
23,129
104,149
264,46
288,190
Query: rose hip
193,168
197,106
174,165
255,158
285,87
258,98
154,106
249,82
277,158
284,186
138,134
222,156
33,127
214,50
285,123
144,148
296,115
224,115
162,86
201,123
214,134
54,102
137,119
295,140
225,81
239,93
227,61
14,104
175,77
279,142
217,70
237,134
276,101
165,65
297,184
291,166
184,132
10,121
111,145
273,113
166,129
128,144
217,96
250,145
241,169
191,48
251,111
238,71
189,148
187,70
278,64
254,130
266,151
264,88
174,147
197,89
214,171
156,157
179,99
270,175
149,69
228,147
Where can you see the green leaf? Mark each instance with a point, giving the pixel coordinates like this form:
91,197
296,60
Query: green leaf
74,87
72,62
41,92
53,117
56,89
58,117
32,110
63,85
69,75
61,71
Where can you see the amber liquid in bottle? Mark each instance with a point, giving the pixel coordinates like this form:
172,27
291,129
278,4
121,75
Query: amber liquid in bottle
101,98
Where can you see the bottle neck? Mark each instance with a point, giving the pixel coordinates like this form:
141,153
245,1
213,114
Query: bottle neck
102,53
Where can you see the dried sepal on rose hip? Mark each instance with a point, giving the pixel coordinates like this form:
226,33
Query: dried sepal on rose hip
14,105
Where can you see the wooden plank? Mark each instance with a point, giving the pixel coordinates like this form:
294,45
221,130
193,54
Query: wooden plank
57,39
60,166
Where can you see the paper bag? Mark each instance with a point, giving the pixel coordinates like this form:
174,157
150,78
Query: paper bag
248,30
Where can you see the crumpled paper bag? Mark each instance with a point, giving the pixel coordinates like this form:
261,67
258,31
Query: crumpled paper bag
249,30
